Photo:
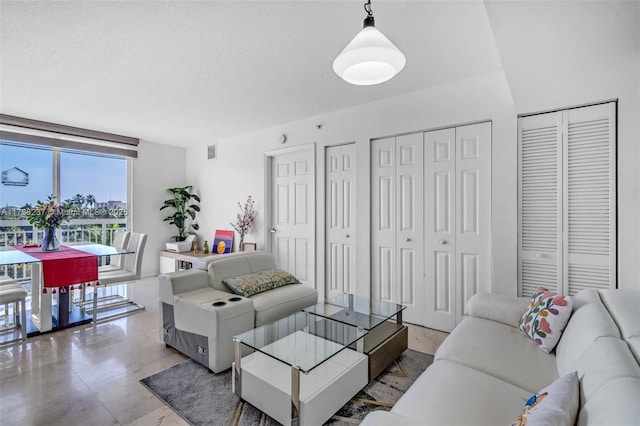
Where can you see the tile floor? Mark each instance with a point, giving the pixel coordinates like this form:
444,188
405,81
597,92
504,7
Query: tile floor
89,375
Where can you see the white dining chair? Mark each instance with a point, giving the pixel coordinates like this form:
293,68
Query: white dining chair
13,294
120,241
113,304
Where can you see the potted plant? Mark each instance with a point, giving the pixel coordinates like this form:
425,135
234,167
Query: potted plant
49,216
185,205
244,219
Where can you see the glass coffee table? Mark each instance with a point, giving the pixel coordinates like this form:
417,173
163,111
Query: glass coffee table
333,344
384,340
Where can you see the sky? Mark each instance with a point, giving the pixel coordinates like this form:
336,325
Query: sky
105,178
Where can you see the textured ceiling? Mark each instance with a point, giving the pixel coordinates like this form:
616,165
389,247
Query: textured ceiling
183,73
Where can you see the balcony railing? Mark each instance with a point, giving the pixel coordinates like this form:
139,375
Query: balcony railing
21,231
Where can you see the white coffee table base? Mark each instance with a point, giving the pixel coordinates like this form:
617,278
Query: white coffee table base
266,383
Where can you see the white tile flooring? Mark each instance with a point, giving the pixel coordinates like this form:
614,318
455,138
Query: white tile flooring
89,375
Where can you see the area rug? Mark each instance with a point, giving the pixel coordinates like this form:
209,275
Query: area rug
204,398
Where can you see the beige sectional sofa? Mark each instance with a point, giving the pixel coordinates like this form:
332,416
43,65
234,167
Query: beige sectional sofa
199,315
486,369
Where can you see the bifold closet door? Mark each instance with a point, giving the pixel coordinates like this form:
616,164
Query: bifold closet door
589,198
440,239
397,223
457,220
340,218
567,200
540,202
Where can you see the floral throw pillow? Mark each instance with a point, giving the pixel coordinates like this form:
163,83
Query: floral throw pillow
557,404
248,285
545,318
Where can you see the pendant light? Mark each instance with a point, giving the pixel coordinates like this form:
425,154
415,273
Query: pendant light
370,58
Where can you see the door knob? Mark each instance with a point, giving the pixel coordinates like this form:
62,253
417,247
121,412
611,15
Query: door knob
443,242
273,230
347,236
407,239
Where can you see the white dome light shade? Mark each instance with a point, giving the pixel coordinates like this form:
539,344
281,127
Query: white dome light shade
369,59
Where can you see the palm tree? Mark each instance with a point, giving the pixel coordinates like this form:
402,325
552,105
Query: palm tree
79,200
91,200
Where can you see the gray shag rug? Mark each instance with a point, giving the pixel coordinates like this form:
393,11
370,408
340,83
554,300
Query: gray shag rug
204,398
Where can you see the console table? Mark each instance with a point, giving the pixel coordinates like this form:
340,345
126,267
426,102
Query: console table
171,261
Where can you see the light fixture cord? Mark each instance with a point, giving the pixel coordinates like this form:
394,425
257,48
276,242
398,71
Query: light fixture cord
368,21
367,8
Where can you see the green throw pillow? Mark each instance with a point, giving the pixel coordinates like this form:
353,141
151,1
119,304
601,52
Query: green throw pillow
248,285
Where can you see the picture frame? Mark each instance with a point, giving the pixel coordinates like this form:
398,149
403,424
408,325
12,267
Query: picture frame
222,242
248,247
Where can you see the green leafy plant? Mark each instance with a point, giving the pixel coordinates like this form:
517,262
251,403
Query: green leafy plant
185,205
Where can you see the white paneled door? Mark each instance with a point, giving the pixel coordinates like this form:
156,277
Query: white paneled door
397,222
440,237
457,220
292,215
340,219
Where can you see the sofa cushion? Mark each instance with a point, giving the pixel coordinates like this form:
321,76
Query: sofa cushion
448,393
235,264
588,323
545,318
623,308
498,307
280,302
501,351
609,384
250,284
557,404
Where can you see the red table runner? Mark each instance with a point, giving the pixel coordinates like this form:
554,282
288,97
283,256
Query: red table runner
64,267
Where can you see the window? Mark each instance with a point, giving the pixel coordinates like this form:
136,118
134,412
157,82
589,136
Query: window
96,184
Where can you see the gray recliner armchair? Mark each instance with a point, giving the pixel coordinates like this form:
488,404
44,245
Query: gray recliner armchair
199,315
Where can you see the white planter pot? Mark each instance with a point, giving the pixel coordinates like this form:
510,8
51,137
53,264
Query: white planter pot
180,246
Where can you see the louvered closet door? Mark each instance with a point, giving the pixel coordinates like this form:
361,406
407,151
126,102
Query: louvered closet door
539,204
567,200
590,197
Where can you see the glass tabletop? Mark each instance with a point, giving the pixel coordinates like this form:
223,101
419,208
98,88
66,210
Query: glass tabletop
97,249
359,311
302,339
12,256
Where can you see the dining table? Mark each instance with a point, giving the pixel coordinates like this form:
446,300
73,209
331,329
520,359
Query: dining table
55,274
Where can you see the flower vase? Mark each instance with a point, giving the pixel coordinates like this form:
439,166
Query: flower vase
50,241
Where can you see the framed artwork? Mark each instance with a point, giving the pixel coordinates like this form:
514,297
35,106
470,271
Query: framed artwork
222,241
248,247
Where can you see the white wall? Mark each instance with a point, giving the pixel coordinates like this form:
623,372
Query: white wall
555,55
238,170
157,168
563,54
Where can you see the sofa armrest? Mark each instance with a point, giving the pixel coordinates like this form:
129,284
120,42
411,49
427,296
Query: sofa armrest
178,282
386,418
498,307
